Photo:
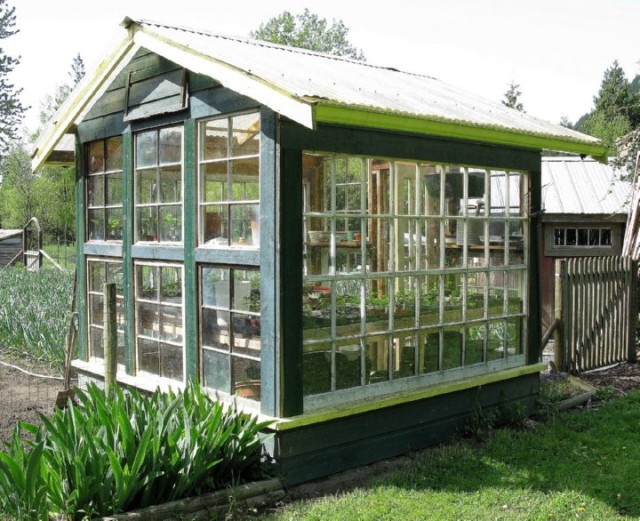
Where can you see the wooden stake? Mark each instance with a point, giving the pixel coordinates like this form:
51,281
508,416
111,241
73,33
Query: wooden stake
110,339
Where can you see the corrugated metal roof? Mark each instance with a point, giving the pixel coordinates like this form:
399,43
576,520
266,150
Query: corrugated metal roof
583,186
323,78
6,234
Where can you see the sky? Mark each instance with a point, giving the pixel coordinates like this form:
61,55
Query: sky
555,50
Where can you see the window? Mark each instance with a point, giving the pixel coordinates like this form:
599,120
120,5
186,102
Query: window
229,169
159,321
99,272
230,330
158,185
582,237
411,270
104,190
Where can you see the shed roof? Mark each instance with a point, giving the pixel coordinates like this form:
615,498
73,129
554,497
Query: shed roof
312,88
7,234
574,186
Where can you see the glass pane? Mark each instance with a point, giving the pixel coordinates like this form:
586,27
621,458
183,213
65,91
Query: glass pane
245,180
246,294
95,157
583,237
605,237
451,349
148,319
379,187
453,297
171,287
114,153
95,191
215,225
316,372
216,370
96,276
148,282
96,309
170,145
496,340
316,309
170,184
245,135
215,332
241,224
246,378
377,305
147,149
148,356
147,222
348,366
113,196
96,342
246,334
514,336
171,361
430,190
404,356
209,278
429,300
147,186
171,223
377,353
114,224
378,242
559,236
214,138
96,225
571,239
429,356
214,187
474,347
114,274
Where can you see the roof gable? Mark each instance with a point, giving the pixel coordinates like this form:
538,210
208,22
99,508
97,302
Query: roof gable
309,87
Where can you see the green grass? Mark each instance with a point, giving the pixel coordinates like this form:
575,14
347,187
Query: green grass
580,465
35,311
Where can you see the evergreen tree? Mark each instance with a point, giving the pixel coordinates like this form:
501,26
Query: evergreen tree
512,97
615,97
11,109
308,31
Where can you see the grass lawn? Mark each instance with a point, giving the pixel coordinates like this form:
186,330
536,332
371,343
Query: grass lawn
580,465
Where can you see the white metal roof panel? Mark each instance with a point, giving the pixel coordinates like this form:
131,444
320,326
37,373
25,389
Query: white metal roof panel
571,185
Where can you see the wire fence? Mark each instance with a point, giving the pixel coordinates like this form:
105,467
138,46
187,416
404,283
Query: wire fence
62,250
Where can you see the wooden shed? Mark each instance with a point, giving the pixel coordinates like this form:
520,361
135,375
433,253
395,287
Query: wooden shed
10,247
347,249
585,205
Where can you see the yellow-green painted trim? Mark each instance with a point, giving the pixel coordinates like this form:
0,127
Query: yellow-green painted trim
352,409
363,117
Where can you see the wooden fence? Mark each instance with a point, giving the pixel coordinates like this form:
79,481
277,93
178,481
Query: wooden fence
596,312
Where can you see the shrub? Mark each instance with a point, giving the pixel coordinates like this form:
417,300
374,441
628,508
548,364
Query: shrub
115,453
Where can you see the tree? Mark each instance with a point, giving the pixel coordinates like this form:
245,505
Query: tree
615,97
512,97
18,200
77,70
11,109
308,31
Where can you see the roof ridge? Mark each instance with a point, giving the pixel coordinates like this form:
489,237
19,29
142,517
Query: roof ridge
263,43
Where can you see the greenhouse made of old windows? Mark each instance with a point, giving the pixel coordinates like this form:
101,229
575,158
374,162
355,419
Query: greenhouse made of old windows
349,250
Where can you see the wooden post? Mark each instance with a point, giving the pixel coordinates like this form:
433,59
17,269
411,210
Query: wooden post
110,339
633,310
559,354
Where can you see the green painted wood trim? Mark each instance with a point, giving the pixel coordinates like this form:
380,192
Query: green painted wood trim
359,117
269,335
365,406
534,326
291,282
375,143
81,266
190,231
127,261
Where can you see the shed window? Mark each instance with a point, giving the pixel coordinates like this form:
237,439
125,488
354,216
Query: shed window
158,185
99,272
582,237
410,270
229,170
230,330
159,319
104,190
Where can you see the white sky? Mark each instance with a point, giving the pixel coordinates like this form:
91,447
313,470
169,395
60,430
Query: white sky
557,50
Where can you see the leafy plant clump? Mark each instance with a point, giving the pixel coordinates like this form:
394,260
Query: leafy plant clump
35,311
123,451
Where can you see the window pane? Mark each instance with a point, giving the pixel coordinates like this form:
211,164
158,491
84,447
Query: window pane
170,185
171,323
246,378
559,236
571,236
214,186
113,189
245,135
96,276
95,159
216,371
114,224
215,332
171,223
316,372
605,237
95,191
147,149
96,341
114,153
170,145
583,237
241,224
148,356
214,139
171,361
147,187
171,288
147,220
96,225
148,282
215,224
245,180
148,319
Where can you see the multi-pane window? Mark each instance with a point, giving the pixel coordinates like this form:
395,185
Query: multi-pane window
104,190
159,319
99,272
158,185
230,330
229,171
582,237
409,269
